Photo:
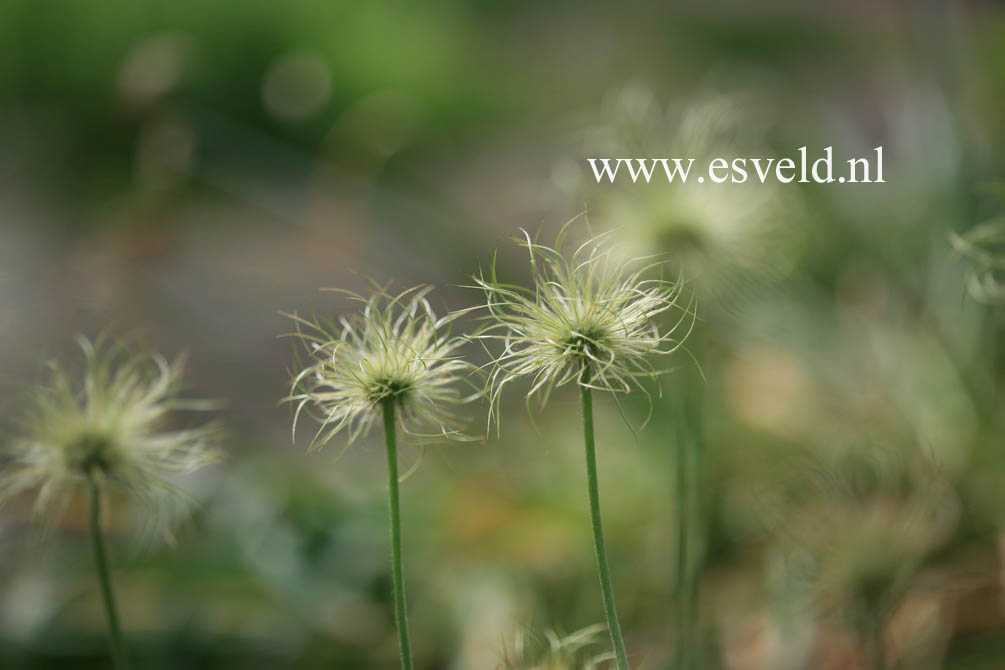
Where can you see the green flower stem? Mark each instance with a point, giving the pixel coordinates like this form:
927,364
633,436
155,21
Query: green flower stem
874,636
397,573
682,590
101,563
598,531
698,520
687,444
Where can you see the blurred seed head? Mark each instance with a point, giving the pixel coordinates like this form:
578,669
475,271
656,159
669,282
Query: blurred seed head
108,427
866,521
395,348
728,237
549,651
984,248
592,318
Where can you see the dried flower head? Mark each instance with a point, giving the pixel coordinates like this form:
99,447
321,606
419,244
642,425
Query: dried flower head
590,318
109,429
396,349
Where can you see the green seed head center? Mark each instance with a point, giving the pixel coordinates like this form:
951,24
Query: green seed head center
583,341
90,452
389,387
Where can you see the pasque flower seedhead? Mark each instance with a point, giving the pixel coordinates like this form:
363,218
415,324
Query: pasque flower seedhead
592,317
108,429
395,348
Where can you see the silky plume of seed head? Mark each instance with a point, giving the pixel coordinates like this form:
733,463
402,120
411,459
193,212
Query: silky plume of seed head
108,427
394,348
591,317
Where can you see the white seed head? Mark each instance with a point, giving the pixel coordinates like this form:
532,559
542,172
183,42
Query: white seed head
395,349
109,427
591,318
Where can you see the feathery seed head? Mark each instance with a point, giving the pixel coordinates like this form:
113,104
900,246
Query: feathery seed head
984,247
396,349
549,651
108,428
725,239
591,318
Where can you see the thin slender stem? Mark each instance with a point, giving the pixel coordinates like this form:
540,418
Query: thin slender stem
101,563
698,522
875,643
683,509
397,573
598,531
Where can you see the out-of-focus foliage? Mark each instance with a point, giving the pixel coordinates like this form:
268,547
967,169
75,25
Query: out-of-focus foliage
187,169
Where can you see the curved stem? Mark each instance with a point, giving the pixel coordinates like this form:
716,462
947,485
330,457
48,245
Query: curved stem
397,573
598,531
101,564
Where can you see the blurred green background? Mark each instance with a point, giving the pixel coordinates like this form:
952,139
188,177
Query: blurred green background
184,170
